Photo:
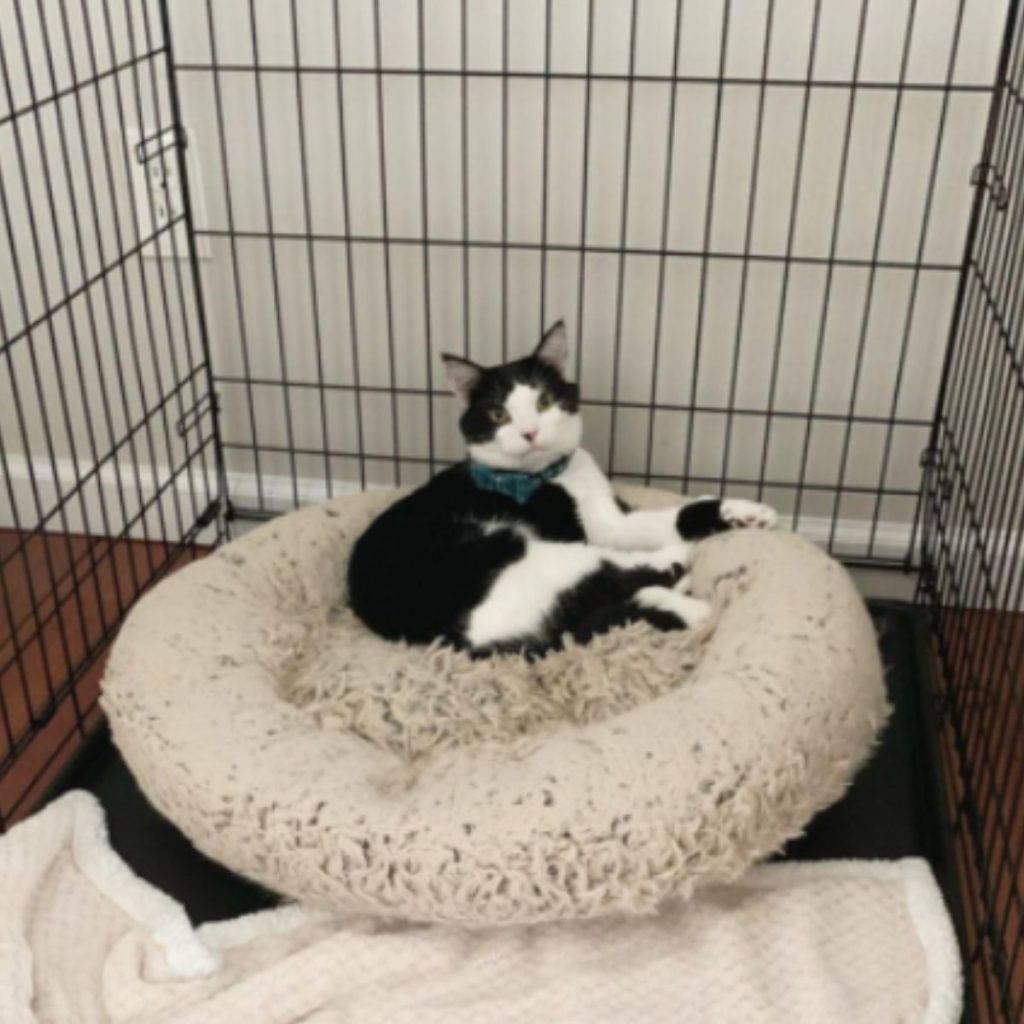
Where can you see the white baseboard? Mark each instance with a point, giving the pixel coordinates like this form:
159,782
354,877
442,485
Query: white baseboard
78,500
853,537
116,490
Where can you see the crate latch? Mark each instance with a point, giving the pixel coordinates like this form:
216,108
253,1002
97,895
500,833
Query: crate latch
151,146
990,177
191,418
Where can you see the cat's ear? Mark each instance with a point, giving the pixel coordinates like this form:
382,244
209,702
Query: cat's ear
554,348
463,376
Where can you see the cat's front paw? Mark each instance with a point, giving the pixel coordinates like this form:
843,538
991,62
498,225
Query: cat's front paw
690,611
741,514
674,559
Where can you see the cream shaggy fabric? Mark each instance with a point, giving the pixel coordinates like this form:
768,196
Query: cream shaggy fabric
350,773
83,941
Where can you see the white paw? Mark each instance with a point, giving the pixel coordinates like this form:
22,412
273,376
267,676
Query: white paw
694,611
689,610
752,515
671,555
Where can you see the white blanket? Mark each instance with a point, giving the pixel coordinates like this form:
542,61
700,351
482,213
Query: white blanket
82,939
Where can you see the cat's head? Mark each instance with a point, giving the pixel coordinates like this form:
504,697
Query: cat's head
522,415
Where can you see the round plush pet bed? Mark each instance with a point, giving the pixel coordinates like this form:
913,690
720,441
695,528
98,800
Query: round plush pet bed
289,743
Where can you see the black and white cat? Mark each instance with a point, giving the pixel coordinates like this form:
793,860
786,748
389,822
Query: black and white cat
526,541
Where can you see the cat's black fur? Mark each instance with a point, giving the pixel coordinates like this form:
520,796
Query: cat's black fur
428,560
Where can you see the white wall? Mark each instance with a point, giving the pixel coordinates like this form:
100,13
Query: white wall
865,370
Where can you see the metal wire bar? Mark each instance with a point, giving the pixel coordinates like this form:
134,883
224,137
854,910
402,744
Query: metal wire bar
236,275
545,147
748,234
663,477
428,348
911,310
722,410
798,177
620,286
837,218
876,248
607,250
751,81
709,219
584,193
181,517
147,318
504,179
386,245
666,216
262,131
307,224
463,173
194,333
346,189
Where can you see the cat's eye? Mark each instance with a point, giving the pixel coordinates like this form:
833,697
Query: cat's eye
500,416
545,401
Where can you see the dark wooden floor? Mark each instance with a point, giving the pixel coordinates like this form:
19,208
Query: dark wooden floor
61,599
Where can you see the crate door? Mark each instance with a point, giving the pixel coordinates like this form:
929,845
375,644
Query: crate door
107,430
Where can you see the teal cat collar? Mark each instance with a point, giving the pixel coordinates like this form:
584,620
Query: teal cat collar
520,487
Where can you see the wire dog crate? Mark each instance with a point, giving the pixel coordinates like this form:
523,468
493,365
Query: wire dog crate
785,235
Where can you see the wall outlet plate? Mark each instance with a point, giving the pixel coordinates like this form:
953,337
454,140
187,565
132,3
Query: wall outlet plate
157,191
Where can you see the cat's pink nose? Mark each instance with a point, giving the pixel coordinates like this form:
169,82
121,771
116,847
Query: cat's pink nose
529,435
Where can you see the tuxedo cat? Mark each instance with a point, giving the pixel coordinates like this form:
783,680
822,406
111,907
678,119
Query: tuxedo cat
525,541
